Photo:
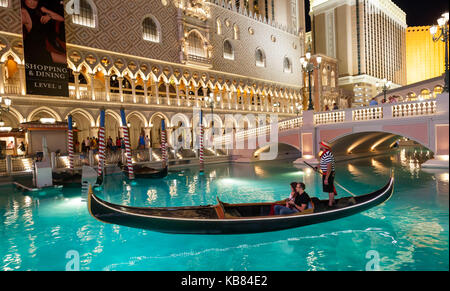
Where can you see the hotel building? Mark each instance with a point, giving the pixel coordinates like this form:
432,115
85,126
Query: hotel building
424,57
367,37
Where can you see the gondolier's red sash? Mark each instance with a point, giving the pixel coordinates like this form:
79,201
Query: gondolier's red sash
334,187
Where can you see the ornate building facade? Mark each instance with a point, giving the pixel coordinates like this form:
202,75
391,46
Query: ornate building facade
161,58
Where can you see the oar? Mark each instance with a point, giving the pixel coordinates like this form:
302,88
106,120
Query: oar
317,170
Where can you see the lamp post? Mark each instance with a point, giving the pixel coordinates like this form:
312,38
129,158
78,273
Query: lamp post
297,108
309,67
385,85
212,102
442,27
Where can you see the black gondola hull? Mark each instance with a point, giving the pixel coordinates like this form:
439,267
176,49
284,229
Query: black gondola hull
121,215
155,175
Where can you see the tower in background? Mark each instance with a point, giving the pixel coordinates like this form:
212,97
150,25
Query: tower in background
368,37
424,57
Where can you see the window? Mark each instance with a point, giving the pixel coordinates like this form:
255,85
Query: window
151,31
88,14
437,90
333,80
324,77
260,58
4,3
195,45
236,31
424,94
287,65
219,26
228,51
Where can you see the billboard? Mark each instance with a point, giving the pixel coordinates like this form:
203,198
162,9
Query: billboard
44,42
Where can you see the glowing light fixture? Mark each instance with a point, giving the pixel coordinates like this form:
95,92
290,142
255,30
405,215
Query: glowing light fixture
47,120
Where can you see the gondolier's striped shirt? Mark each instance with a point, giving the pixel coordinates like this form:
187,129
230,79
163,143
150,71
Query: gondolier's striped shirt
327,158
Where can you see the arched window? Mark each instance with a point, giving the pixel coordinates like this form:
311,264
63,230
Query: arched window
411,96
333,80
437,90
219,26
424,94
151,31
228,50
236,31
88,14
4,3
195,45
260,58
324,77
287,65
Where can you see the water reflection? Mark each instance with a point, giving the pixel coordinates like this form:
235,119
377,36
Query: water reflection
409,232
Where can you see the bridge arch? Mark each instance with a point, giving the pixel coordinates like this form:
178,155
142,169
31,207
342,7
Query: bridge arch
370,141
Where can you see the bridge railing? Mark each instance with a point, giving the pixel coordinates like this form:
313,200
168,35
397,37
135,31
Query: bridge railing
368,113
259,131
385,111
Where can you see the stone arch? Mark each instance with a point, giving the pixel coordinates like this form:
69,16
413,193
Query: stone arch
155,124
283,150
83,122
139,115
84,113
367,139
44,109
13,117
11,53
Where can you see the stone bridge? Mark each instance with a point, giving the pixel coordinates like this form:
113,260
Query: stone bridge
353,131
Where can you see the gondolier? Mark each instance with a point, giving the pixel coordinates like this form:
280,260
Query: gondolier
327,166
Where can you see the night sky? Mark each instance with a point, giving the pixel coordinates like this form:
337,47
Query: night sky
417,13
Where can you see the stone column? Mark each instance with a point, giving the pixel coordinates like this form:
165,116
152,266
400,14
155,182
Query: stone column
177,87
205,91
221,99
107,89
167,94
21,73
76,76
196,96
133,89
2,78
91,77
145,91
156,93
120,79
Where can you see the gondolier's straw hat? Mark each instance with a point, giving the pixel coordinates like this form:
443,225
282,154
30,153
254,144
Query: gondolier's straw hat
325,145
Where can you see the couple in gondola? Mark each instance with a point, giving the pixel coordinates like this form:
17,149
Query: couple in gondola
298,201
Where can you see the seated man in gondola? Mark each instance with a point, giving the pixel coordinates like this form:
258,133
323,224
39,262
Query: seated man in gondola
299,201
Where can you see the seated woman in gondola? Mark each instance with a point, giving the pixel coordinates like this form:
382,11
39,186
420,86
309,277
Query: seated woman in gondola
299,201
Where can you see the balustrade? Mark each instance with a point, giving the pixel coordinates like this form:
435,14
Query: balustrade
329,117
414,108
370,113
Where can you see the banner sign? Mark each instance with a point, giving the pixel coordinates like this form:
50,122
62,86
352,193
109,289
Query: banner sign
44,42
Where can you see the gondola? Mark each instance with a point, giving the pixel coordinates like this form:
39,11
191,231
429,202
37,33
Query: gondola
67,179
142,172
226,218
74,179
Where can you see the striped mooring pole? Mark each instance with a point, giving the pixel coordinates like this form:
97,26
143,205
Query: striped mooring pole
101,144
201,159
70,141
163,143
126,139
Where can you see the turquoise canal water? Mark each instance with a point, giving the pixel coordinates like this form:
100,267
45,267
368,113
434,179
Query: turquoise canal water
409,232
